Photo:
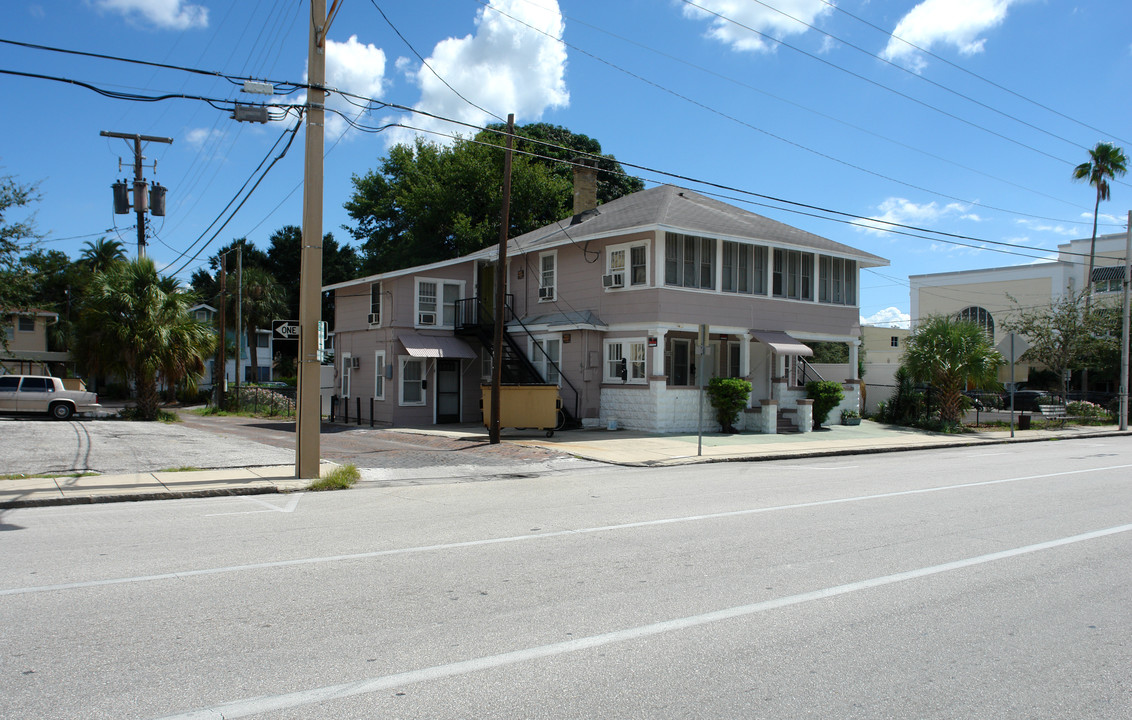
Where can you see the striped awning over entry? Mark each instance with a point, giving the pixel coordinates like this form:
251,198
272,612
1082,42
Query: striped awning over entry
436,346
1109,272
781,343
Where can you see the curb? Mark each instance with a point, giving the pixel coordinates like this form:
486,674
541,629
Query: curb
139,497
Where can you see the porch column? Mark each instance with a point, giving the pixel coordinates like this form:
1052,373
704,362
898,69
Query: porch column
853,350
658,353
745,363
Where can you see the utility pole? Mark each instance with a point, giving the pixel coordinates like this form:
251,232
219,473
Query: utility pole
239,315
222,335
141,189
1125,330
501,290
309,412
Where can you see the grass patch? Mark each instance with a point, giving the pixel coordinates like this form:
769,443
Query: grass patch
22,476
181,468
340,478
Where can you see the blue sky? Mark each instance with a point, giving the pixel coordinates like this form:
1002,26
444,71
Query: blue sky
805,101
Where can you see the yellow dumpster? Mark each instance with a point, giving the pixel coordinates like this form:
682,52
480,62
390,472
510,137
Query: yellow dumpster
524,406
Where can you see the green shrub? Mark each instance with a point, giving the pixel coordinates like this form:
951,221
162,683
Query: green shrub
826,396
728,397
1086,409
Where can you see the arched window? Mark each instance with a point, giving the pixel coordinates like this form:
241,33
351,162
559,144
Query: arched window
980,317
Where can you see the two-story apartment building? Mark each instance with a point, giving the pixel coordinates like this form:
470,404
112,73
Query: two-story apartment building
26,352
608,304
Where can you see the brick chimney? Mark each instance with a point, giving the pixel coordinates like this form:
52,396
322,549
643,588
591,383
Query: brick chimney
585,185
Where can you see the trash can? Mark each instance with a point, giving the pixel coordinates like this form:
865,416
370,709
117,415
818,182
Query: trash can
1023,422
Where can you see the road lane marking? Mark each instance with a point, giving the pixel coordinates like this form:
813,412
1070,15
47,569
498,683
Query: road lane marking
537,536
271,507
270,703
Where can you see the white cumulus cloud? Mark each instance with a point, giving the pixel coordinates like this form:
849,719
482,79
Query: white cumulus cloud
889,317
507,65
197,137
905,212
165,14
738,22
959,23
357,68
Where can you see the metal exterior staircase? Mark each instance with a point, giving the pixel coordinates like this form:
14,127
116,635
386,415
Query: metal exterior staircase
473,320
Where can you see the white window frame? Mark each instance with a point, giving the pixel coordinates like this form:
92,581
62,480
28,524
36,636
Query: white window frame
441,304
636,370
344,380
626,266
694,257
403,362
375,306
796,274
538,359
894,341
379,375
548,278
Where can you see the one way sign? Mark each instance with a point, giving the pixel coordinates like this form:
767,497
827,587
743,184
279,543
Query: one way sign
285,329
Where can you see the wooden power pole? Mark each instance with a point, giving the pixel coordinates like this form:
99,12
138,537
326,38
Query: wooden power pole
309,412
141,189
501,290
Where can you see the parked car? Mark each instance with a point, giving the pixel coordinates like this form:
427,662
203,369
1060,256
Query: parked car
1025,400
44,394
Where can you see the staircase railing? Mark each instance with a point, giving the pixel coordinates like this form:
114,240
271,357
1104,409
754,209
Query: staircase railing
472,316
557,367
806,373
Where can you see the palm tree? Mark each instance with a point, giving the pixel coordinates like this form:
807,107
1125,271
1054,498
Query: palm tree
102,254
136,324
263,300
1105,161
950,353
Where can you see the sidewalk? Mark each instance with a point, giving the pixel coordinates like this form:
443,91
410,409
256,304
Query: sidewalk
618,447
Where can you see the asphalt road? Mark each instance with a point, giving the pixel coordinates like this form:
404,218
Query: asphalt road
954,583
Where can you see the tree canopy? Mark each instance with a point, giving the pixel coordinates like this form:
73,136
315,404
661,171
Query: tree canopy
1064,335
950,353
427,202
16,237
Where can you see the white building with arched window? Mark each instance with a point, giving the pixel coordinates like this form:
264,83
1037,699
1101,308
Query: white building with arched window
989,296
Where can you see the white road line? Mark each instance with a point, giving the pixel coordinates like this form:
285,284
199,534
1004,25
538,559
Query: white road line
536,536
271,507
269,703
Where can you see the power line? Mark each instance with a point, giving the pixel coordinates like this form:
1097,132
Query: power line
430,67
798,145
973,74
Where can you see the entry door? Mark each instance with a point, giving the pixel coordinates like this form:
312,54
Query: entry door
447,390
486,292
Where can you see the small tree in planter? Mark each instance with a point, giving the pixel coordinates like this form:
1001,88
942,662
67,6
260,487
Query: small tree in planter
826,396
728,397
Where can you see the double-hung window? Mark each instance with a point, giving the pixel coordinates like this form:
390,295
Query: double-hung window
436,302
379,375
375,304
548,276
837,280
412,381
689,261
793,274
744,268
346,375
27,324
628,265
624,361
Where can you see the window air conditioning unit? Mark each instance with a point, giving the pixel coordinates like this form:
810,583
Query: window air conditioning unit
354,363
426,318
613,280
375,318
546,293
